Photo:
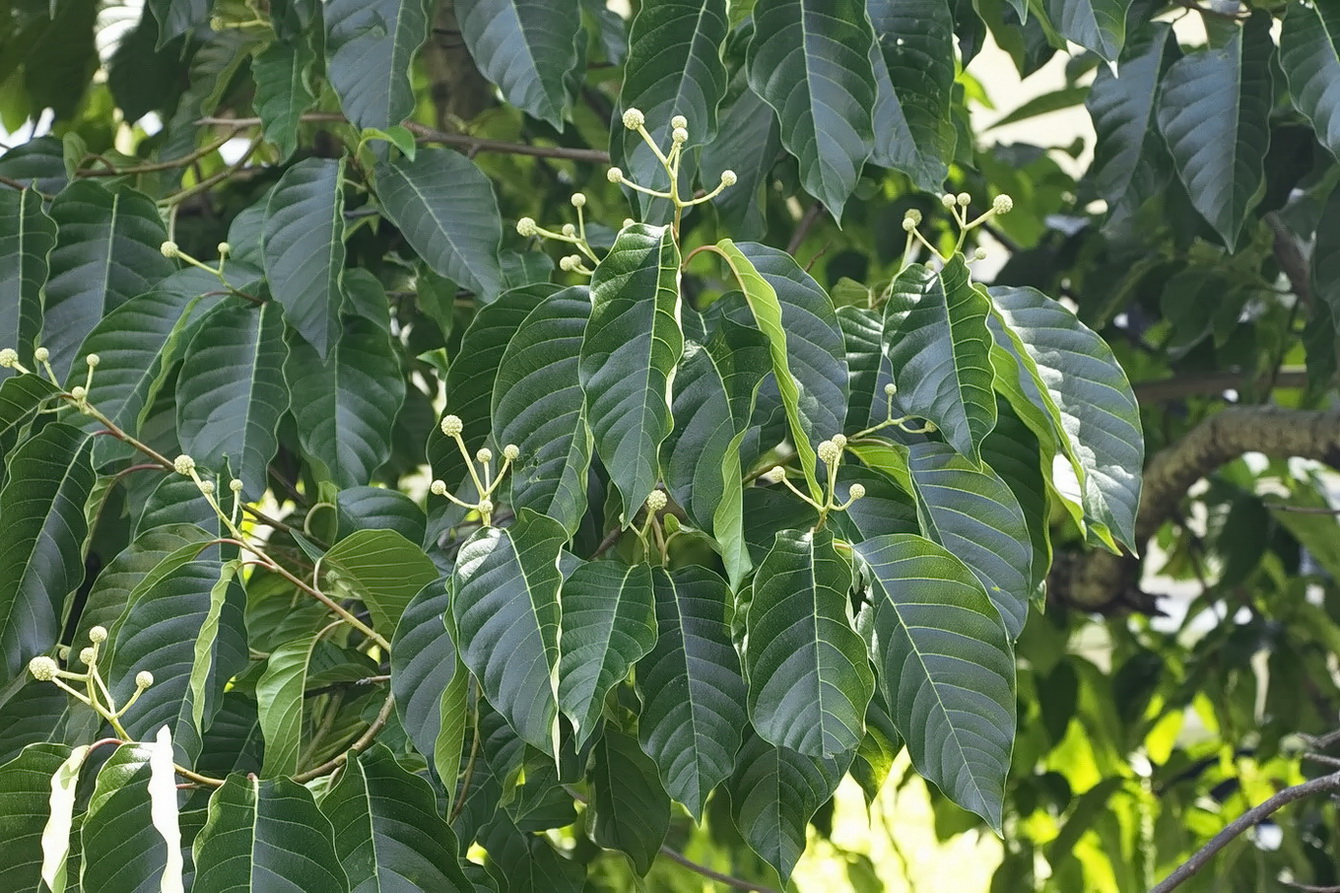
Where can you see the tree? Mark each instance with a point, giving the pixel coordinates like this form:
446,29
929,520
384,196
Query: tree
724,503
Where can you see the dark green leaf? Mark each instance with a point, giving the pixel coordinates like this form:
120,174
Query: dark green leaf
528,49
1310,58
629,810
748,142
878,749
379,508
863,335
279,692
121,848
380,568
369,48
283,91
27,236
178,17
1098,25
25,787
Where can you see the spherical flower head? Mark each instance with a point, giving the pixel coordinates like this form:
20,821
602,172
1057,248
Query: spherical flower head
9,358
913,215
633,119
569,229
948,200
235,485
679,135
979,254
511,452
829,452
614,175
484,456
1003,204
144,679
857,491
729,178
452,425
43,668
78,392
486,506
41,355
87,656
97,635
578,199
840,440
438,488
565,263
931,427
627,222
890,389
183,464
169,249
909,224
527,227
207,487
93,360
773,475
963,199
656,501
679,121
225,249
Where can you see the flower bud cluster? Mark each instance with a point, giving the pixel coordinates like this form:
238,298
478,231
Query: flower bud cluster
480,468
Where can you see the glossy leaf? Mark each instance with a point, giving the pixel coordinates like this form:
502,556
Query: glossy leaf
283,91
57,835
946,668
1098,25
304,249
1213,111
279,691
749,143
445,208
25,804
869,368
120,847
629,810
369,49
27,236
527,48
380,568
1310,58
506,607
633,342
937,341
912,60
810,59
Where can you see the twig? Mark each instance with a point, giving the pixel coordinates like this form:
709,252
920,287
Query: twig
1311,888
150,167
354,749
1212,384
1248,819
803,228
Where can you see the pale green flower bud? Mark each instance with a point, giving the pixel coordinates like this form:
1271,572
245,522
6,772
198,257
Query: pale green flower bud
484,456
569,230
225,249
9,358
235,485
614,175
169,249
43,668
438,488
633,119
840,440
93,360
526,227
97,635
890,389
679,121
41,355
979,254
144,679
578,200
486,506
452,425
78,392
964,199
656,501
947,200
773,475
183,464
1003,204
207,487
87,656
511,452
729,178
857,491
679,135
829,452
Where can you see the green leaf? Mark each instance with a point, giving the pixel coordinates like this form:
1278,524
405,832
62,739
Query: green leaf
1045,104
387,828
369,49
56,836
538,405
631,347
506,585
608,624
1084,391
773,795
936,337
1310,58
202,666
27,236
527,863
674,67
380,568
121,848
379,508
947,669
810,60
527,48
1325,266
1015,454
279,692
808,671
885,508
116,582
1098,25
230,392
346,403
178,17
303,244
629,810
445,208
748,142
1214,110
863,335
878,749
107,252
265,835
26,789
692,690
41,557
283,91
913,62
20,398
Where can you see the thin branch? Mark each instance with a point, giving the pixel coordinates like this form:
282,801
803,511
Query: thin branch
803,228
364,741
1248,819
1212,384
1290,257
172,164
1311,888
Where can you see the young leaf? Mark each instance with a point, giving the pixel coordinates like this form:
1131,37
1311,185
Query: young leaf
1310,58
33,788
27,236
121,849
808,671
947,669
692,691
283,91
506,585
632,344
629,810
527,49
369,50
609,623
382,569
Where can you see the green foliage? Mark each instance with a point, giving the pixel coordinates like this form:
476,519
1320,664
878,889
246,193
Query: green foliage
384,509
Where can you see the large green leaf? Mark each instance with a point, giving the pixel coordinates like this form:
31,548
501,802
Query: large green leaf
1310,58
913,61
107,252
674,67
121,848
265,835
539,406
346,404
25,788
692,690
630,812
946,668
283,91
1084,391
1213,110
27,236
379,508
937,340
1017,456
808,671
632,344
279,692
1098,25
748,142
774,793
178,17
20,399
869,368
506,585
369,48
445,208
303,242
528,863
230,392
528,48
387,828
380,568
221,610
608,624
41,557
879,748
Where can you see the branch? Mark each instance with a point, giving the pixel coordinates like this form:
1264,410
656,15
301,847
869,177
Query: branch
1212,384
1248,819
1291,259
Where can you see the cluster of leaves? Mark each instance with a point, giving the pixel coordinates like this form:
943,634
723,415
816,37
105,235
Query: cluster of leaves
705,530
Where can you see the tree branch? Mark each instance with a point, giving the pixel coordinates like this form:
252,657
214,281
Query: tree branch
1248,819
1211,384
